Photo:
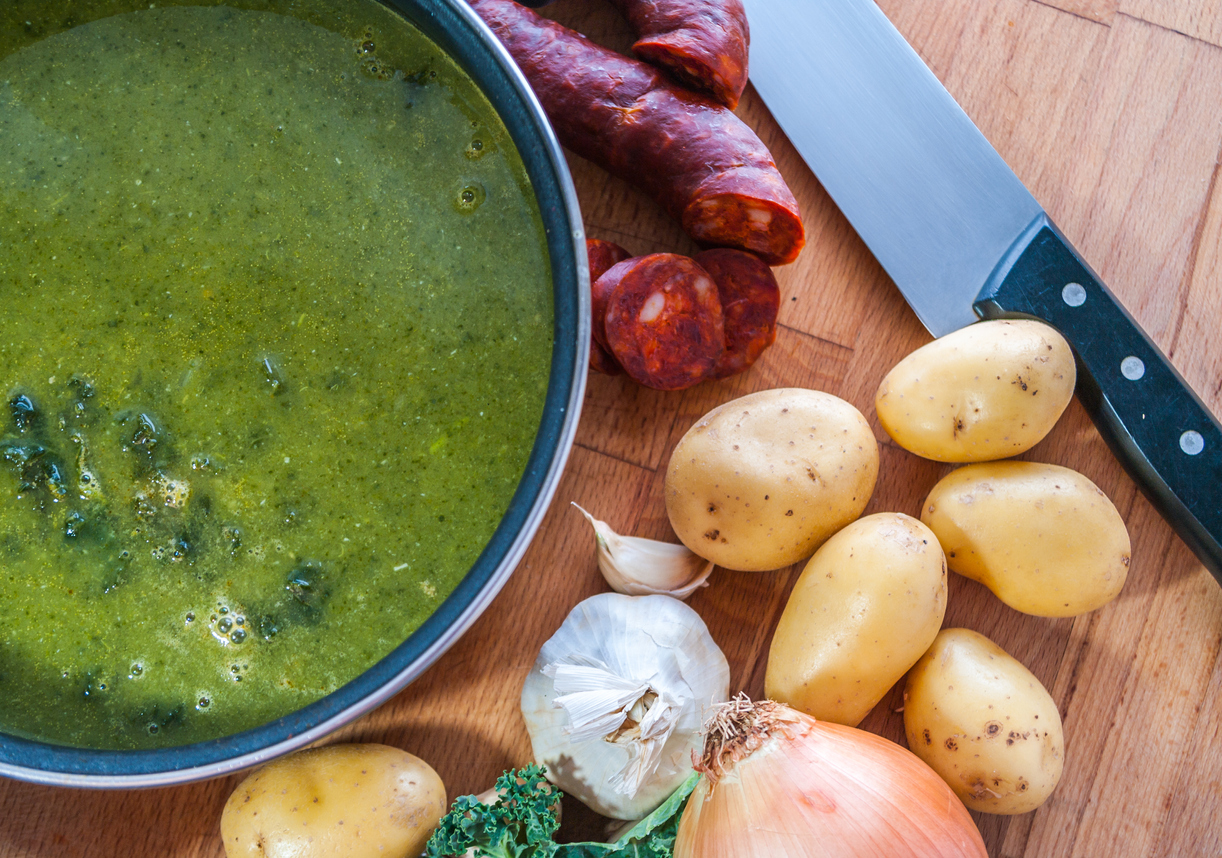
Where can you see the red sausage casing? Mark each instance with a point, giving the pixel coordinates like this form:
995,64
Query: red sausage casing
663,320
750,300
693,156
700,43
600,289
602,255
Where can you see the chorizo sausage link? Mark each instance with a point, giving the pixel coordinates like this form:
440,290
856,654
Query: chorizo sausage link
701,43
693,156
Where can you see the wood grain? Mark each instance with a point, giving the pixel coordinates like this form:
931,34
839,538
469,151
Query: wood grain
1201,19
1111,112
1200,316
1096,10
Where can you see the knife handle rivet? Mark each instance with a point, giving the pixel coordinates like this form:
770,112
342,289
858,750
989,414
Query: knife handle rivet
1132,368
1191,442
1074,294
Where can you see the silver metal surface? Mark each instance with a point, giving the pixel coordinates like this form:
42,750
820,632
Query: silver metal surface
922,186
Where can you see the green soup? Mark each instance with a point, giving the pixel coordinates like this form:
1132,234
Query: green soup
275,333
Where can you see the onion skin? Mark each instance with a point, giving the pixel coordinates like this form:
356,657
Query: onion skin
813,789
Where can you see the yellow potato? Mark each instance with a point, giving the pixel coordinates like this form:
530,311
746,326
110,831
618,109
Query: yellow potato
865,608
358,801
1043,538
984,723
760,482
987,391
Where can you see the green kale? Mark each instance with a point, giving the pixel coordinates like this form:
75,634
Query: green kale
519,825
522,824
652,837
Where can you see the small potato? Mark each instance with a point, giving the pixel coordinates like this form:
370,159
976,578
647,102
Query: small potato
357,801
760,482
1043,538
865,608
984,723
987,391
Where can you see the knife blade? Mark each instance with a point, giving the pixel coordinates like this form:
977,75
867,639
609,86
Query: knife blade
964,240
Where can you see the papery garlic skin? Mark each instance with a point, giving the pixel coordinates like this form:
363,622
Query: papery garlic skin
654,641
636,566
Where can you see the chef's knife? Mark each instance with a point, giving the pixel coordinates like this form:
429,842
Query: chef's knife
963,238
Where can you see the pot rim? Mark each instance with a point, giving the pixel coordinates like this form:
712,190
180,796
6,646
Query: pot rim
457,30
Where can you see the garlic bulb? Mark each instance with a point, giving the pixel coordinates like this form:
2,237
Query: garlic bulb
617,698
778,782
642,567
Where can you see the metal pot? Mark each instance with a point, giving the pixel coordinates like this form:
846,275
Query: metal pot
457,30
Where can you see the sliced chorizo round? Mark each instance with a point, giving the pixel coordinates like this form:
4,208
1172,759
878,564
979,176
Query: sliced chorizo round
602,256
663,321
603,361
750,300
600,294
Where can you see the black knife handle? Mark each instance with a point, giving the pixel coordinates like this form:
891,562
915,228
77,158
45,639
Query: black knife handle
1155,424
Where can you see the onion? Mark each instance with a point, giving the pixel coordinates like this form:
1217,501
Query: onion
779,783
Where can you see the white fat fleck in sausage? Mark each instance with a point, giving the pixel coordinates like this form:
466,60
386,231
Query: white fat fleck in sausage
652,308
760,218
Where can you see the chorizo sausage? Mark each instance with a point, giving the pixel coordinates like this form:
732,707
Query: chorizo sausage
609,255
750,300
663,320
602,256
602,360
693,156
700,43
600,296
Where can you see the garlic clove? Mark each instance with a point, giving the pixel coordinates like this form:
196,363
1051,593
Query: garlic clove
636,566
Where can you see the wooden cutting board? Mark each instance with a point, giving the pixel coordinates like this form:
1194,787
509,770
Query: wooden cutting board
1111,112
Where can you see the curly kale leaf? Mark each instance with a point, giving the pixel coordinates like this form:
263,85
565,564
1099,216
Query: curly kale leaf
652,837
522,824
